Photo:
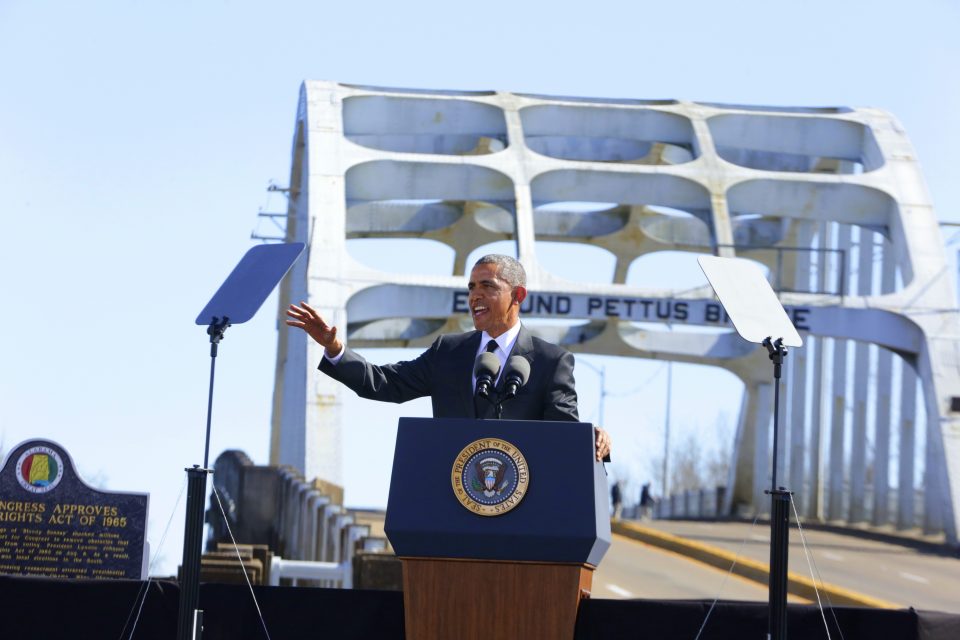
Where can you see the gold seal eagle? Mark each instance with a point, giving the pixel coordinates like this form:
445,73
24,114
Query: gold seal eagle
490,477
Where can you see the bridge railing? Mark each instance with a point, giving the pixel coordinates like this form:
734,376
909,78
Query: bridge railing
704,504
707,504
310,534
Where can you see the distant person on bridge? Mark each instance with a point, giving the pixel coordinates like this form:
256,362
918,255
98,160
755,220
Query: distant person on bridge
496,290
646,502
616,497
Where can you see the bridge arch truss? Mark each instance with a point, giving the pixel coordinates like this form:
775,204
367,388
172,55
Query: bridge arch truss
830,200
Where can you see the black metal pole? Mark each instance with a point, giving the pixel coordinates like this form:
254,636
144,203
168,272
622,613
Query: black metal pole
779,512
192,545
215,331
779,549
189,625
776,433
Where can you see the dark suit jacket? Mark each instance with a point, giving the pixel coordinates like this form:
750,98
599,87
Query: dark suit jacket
445,371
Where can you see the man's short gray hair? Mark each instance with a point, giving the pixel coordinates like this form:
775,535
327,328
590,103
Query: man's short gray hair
510,268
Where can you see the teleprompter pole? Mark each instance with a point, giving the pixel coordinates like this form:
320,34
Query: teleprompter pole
236,301
192,544
189,620
215,331
779,547
758,316
779,512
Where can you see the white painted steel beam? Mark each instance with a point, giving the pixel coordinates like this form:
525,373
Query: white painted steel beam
906,507
884,405
861,378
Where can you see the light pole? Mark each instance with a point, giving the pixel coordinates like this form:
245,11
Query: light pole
602,372
666,431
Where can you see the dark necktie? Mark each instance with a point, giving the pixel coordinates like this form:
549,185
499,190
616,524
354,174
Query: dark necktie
480,405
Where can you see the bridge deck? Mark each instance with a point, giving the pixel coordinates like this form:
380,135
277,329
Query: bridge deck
899,574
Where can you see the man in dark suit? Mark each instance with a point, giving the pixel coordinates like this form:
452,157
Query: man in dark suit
444,372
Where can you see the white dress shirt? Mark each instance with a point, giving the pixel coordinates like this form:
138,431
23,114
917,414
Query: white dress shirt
505,342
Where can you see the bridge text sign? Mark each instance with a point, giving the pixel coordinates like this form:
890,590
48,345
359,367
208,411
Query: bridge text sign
670,311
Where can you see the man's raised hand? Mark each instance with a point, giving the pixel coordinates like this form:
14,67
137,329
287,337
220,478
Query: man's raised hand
306,317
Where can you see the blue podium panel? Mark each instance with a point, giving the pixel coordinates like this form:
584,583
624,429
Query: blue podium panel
563,516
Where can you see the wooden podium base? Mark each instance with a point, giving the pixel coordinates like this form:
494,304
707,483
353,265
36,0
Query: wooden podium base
480,600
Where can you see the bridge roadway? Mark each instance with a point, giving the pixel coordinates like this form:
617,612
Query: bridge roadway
633,569
900,575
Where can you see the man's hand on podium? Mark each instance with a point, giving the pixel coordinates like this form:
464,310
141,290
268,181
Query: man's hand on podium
603,443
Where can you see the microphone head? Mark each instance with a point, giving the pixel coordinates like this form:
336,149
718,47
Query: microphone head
520,367
487,364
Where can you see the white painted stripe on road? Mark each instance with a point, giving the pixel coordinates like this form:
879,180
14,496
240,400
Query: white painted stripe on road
914,577
620,591
830,555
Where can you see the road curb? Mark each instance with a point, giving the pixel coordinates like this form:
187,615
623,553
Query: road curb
797,584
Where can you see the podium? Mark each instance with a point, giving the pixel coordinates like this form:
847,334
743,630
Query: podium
499,525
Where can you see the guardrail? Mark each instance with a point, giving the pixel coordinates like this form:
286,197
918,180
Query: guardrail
341,574
311,535
703,504
707,504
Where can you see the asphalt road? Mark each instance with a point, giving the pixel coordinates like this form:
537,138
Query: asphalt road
898,574
636,570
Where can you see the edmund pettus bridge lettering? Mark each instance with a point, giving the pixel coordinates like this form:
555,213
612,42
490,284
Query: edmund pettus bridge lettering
666,310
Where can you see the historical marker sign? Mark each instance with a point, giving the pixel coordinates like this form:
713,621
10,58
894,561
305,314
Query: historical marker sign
54,524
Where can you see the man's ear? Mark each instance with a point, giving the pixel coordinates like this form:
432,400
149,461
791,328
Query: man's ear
519,294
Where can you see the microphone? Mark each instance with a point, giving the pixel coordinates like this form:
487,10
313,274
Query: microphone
486,369
517,374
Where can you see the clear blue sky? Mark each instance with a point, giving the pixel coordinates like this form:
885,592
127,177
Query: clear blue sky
137,139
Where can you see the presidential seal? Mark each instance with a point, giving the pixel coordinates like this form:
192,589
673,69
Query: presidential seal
39,469
490,477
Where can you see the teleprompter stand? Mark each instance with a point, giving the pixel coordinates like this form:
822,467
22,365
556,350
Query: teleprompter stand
779,510
757,315
236,301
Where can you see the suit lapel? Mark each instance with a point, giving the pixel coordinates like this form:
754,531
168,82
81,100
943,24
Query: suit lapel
523,346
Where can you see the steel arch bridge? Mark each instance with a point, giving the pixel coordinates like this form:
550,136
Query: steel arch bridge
830,200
